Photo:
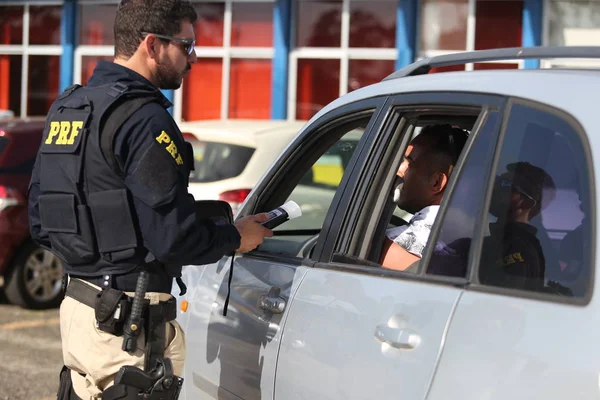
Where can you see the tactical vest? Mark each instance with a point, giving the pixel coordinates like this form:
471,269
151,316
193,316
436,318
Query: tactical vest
84,204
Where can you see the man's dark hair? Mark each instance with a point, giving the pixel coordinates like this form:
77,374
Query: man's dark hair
154,16
444,144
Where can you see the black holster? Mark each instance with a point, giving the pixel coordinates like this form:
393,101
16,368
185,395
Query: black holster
65,386
111,309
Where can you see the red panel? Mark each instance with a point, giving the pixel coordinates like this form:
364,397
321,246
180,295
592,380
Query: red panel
373,24
498,23
88,63
252,24
250,89
43,83
319,23
318,85
367,72
44,25
96,23
451,68
209,26
10,83
202,90
11,24
482,66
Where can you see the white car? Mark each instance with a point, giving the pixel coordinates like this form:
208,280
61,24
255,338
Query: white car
313,315
231,155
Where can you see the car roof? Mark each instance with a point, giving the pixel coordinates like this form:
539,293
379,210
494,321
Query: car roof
241,131
571,90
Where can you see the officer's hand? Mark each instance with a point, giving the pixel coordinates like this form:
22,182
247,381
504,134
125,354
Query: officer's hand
252,232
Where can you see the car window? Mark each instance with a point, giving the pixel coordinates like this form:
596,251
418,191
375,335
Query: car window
316,188
214,161
538,228
451,252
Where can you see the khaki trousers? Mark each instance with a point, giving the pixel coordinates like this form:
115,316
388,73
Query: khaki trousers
95,357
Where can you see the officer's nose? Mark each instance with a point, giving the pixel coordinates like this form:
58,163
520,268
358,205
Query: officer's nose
192,58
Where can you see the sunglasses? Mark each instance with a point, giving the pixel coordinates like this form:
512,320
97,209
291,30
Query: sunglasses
507,183
187,45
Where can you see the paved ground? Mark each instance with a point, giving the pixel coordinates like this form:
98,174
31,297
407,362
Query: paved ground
30,353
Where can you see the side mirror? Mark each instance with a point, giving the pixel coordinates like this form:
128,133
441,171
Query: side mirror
218,211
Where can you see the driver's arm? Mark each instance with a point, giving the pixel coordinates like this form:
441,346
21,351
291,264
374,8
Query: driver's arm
396,257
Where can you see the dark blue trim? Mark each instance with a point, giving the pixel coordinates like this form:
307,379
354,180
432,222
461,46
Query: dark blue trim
406,32
68,38
170,95
533,15
282,19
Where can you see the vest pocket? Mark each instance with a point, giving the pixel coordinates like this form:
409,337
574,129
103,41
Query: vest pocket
117,239
71,234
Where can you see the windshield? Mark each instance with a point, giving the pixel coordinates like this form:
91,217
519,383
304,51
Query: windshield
215,161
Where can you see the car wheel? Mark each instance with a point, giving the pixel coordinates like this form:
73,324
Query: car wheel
35,279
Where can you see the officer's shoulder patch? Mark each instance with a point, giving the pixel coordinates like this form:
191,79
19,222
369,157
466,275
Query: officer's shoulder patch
168,144
156,171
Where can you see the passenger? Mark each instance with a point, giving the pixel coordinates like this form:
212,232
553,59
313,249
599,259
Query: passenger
425,171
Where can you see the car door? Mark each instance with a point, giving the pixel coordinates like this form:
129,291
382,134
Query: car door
355,330
513,341
233,356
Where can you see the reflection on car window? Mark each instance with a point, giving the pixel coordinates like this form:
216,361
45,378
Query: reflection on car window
538,233
317,187
215,161
451,252
3,143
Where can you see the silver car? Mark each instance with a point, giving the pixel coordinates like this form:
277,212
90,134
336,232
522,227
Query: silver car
312,314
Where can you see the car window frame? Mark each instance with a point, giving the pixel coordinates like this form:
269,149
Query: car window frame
262,197
398,106
476,248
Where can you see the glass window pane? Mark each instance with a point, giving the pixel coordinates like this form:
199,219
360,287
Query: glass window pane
11,24
498,23
88,63
44,24
319,23
43,83
539,236
252,24
219,161
96,23
444,24
10,83
202,90
451,252
573,23
318,85
209,26
250,89
366,72
373,23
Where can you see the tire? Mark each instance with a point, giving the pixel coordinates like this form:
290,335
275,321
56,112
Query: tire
34,280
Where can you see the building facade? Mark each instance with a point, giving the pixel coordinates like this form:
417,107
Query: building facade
279,59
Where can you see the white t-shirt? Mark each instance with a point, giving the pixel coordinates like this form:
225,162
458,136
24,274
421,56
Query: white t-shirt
413,236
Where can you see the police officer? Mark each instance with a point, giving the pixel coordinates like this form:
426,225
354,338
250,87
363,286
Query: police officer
108,195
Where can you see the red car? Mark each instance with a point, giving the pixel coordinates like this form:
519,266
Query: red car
32,276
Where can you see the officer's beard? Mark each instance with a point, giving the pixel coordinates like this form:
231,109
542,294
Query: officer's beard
167,78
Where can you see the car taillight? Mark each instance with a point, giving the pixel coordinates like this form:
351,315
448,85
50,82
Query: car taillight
235,197
9,197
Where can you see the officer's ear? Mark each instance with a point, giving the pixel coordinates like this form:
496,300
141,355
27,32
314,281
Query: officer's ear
150,43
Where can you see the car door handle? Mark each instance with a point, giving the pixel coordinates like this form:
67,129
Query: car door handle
272,302
397,337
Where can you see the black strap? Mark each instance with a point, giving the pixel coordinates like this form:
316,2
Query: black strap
226,305
112,121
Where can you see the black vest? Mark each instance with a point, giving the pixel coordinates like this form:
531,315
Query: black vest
84,204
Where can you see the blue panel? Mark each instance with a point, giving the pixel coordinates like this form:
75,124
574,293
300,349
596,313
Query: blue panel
406,32
282,17
533,14
68,37
170,94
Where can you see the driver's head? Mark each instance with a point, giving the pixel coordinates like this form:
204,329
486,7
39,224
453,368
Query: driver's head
427,165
